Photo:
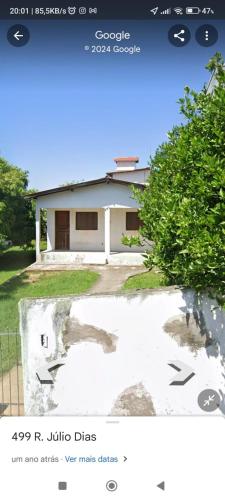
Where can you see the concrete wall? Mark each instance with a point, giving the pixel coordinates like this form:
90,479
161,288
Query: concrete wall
113,353
211,319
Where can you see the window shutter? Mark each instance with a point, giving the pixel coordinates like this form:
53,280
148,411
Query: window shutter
133,222
86,221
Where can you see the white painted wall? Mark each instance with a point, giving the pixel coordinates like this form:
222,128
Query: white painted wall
91,379
100,195
118,228
89,198
214,318
92,241
139,176
126,165
50,229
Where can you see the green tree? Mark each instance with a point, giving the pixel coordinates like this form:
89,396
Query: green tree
16,213
183,205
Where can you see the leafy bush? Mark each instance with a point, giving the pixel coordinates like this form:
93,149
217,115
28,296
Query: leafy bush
16,212
132,240
183,205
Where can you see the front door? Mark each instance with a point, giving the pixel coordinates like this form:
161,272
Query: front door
62,230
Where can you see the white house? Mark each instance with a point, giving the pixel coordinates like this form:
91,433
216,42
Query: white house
86,221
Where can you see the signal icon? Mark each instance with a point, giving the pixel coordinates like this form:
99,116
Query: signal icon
178,10
166,12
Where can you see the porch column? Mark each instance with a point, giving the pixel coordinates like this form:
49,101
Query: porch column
107,233
38,231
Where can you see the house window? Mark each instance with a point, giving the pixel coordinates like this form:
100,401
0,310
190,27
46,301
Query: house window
133,222
87,221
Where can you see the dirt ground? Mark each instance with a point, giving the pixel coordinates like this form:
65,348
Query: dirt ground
113,277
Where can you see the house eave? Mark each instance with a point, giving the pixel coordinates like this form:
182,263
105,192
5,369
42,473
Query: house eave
73,187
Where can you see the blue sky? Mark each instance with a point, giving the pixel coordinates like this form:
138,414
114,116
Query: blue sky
65,114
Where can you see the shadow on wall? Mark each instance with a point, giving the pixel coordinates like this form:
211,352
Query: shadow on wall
209,320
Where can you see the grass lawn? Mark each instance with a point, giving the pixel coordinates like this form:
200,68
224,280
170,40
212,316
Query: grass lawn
15,285
34,284
39,284
148,279
9,352
13,261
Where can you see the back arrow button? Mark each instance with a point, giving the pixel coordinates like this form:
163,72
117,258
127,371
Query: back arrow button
18,35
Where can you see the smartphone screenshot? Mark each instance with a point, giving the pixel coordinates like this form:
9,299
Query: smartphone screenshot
112,249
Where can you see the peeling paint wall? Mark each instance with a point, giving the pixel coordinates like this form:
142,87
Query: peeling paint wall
111,354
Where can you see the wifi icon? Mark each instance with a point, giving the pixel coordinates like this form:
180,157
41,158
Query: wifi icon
178,10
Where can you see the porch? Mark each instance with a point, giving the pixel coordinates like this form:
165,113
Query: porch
79,236
57,258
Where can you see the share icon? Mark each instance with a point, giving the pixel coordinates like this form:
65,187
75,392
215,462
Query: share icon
179,35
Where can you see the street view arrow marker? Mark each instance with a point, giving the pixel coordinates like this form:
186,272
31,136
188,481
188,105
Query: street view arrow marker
161,486
184,375
43,373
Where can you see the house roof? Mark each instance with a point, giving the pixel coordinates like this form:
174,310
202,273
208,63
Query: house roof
78,185
126,159
129,171
212,81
